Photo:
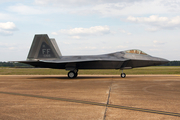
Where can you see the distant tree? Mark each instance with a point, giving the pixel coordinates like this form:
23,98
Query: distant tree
172,63
11,64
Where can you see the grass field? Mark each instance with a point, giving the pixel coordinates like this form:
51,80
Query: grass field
135,71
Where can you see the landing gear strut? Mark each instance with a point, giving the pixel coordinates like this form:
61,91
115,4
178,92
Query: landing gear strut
72,74
123,75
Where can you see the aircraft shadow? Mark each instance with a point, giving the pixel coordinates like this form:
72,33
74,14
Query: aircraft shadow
79,77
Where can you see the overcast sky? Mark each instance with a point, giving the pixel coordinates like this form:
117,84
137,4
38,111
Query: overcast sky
86,27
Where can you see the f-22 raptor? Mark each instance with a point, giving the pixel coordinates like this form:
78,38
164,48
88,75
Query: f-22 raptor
44,52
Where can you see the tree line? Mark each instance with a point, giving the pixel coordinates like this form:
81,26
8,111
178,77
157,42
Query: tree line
14,65
172,63
21,65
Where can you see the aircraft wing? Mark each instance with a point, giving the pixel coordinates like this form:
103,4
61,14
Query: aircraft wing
82,60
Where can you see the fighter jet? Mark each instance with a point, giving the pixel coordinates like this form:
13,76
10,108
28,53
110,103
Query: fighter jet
44,53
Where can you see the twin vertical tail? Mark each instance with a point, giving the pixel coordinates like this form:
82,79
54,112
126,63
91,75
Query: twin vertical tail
44,48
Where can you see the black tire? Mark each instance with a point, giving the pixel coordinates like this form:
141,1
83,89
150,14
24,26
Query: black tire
76,74
123,75
71,74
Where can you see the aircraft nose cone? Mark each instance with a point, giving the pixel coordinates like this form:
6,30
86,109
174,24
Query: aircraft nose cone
163,61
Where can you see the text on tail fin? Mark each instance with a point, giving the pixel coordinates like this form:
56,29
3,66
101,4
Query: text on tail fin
43,48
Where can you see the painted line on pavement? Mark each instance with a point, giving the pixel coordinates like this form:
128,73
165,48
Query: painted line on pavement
98,104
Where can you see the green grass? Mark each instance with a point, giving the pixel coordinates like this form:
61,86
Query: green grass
42,71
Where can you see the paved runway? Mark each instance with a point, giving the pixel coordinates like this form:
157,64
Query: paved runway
90,97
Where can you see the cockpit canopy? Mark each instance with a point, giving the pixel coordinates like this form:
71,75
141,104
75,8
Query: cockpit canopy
135,51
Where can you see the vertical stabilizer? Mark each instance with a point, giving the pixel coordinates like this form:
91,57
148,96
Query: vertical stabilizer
43,48
56,46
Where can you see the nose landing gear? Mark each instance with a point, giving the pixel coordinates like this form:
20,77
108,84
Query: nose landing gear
123,75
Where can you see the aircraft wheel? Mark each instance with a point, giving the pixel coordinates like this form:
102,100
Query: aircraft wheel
72,74
123,75
76,74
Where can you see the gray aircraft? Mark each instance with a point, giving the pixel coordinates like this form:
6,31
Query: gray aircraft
44,52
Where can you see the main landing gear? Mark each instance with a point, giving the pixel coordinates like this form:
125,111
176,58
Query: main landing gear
72,74
123,75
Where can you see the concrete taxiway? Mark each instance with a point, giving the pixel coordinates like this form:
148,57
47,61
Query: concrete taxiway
90,97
